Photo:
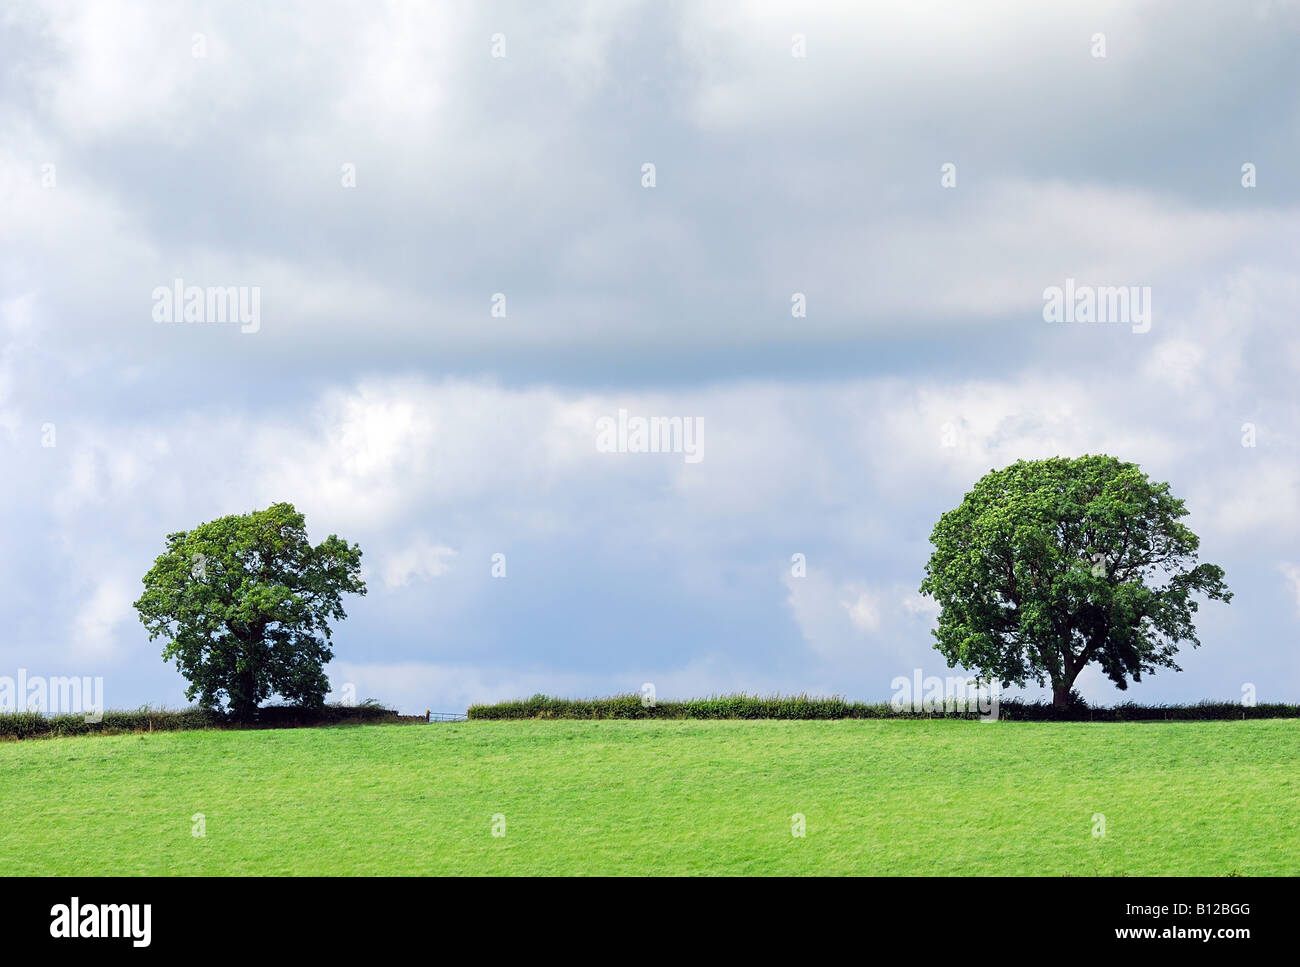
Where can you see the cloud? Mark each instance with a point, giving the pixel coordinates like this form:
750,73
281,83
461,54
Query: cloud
835,618
419,561
864,609
384,399
94,631
919,606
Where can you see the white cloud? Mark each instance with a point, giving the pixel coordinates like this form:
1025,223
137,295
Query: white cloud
94,629
835,618
920,606
863,607
1176,363
420,560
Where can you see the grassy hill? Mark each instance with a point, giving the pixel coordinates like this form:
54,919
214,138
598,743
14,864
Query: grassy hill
661,797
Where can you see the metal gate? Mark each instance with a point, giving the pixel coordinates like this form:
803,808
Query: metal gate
443,716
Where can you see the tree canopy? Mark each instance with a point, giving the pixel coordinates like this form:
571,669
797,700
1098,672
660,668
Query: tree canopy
1050,565
245,602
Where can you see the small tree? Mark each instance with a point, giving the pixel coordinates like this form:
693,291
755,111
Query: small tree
1050,565
244,602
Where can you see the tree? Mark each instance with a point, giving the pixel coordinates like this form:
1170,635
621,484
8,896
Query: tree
1049,565
245,602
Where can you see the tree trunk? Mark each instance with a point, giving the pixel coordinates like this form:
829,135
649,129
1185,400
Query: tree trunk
244,705
1060,695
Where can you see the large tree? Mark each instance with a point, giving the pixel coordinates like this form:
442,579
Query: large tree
1050,565
245,603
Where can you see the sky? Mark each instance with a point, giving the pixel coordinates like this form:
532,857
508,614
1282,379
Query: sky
835,270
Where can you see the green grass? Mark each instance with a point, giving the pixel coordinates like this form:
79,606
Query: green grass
661,797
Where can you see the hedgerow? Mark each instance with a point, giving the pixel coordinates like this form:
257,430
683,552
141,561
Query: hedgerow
31,725
742,706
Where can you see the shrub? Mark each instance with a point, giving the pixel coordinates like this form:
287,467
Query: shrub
29,725
809,707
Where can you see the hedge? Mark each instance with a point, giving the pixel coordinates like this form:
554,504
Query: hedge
808,707
30,725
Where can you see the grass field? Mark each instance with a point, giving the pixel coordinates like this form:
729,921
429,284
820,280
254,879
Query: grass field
888,797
